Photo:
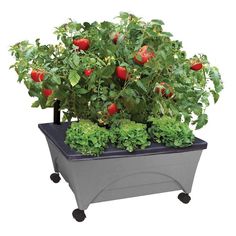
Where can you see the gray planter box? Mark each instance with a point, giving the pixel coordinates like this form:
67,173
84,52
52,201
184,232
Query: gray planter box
119,174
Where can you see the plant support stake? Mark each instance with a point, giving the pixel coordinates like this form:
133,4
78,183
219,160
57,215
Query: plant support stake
56,113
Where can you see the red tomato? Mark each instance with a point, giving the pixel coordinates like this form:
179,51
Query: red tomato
41,76
37,76
162,90
34,75
88,72
47,92
143,55
121,73
112,109
196,66
115,38
83,43
143,60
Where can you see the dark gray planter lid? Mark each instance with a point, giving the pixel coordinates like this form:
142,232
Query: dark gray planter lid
56,134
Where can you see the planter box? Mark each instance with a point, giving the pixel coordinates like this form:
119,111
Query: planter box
119,174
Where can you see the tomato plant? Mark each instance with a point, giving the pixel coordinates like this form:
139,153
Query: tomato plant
133,64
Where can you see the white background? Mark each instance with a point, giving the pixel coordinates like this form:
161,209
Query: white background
30,204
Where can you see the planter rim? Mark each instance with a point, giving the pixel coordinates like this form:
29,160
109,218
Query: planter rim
56,134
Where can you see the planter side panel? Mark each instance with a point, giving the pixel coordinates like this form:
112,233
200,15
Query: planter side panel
109,179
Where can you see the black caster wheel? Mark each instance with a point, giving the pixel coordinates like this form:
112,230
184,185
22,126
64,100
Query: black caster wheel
79,215
184,198
55,177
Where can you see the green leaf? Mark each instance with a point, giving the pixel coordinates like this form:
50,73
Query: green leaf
103,97
215,96
140,85
64,118
93,97
35,104
107,71
74,77
129,92
76,60
112,94
166,34
92,61
86,25
124,15
157,22
54,70
216,79
197,109
50,101
83,91
204,98
56,79
161,108
201,121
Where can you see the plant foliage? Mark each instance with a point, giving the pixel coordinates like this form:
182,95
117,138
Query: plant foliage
112,45
172,133
87,137
129,135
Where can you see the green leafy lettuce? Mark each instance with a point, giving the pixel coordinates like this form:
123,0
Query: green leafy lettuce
87,137
170,132
129,135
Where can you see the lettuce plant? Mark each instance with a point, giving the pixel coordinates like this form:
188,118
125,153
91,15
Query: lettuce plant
129,135
86,137
170,132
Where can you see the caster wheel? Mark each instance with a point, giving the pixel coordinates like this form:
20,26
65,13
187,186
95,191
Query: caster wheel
79,215
55,177
184,198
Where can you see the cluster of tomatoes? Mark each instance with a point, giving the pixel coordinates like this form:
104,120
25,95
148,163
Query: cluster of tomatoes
38,76
141,57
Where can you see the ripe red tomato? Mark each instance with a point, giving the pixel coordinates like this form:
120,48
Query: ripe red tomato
47,92
112,109
162,90
196,66
115,38
41,76
37,76
82,43
88,72
144,54
34,75
121,73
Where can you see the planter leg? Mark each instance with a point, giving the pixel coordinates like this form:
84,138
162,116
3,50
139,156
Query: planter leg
79,215
55,177
184,198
